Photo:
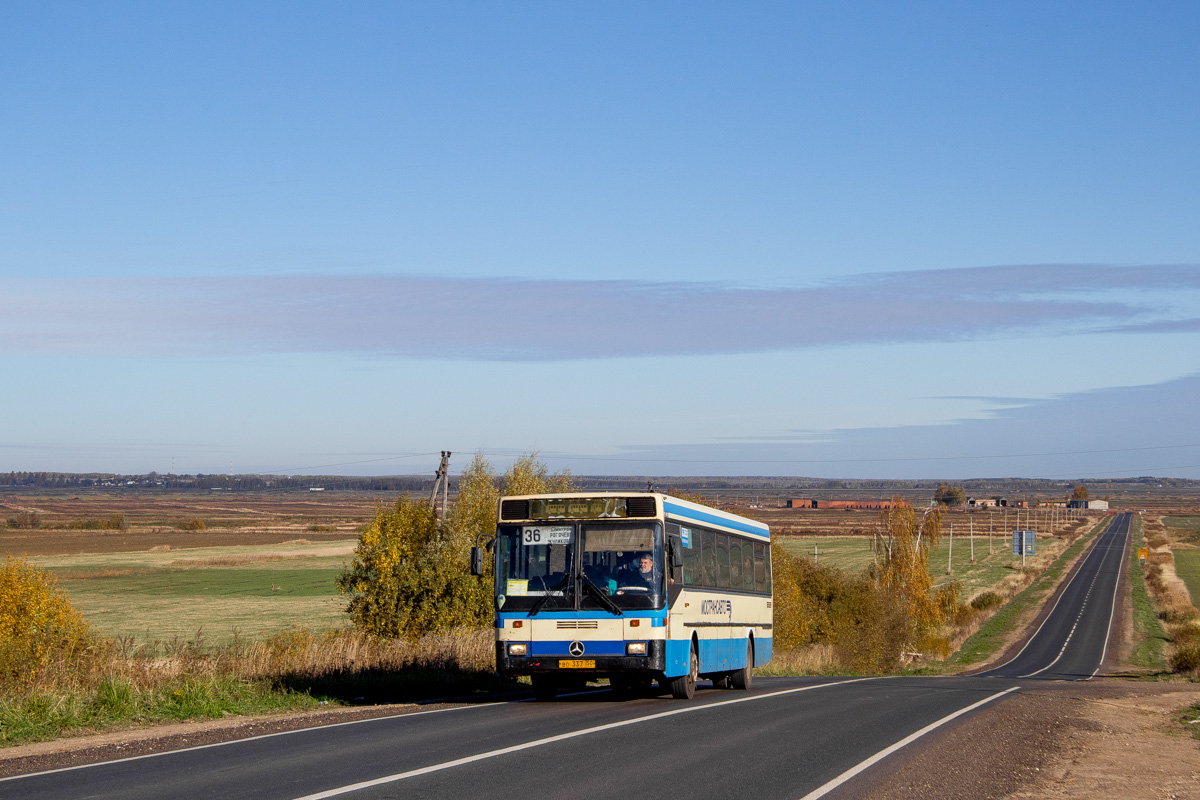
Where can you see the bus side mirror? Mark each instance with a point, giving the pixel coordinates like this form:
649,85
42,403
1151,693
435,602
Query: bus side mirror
675,552
476,560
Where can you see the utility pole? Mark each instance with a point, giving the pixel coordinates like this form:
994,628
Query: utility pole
972,540
441,481
950,558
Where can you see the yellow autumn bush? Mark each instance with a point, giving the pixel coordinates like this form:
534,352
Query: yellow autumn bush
41,633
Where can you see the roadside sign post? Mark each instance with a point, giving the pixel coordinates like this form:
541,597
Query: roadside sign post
1024,543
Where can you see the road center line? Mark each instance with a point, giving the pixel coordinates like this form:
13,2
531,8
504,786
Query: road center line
882,754
1078,570
458,762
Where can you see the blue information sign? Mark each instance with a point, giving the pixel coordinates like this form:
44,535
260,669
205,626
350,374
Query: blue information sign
1028,538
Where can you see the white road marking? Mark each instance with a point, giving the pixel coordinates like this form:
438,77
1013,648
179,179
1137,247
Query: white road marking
1091,549
821,791
250,739
1083,607
1112,612
458,762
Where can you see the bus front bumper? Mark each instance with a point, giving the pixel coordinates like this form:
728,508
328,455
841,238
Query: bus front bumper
585,665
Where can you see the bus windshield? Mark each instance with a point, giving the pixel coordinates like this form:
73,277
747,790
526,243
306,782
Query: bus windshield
539,565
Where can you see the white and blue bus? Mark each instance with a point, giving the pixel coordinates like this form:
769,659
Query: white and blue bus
629,587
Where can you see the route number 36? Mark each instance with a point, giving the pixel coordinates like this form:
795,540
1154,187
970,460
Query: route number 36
537,534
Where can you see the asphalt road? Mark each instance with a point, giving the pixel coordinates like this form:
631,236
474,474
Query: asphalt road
1072,641
786,738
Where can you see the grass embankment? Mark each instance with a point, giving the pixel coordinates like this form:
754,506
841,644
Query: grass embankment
60,675
1148,634
993,634
119,685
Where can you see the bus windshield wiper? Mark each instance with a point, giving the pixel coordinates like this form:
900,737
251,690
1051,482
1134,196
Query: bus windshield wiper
601,595
558,587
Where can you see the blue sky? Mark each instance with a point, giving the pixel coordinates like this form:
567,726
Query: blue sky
873,240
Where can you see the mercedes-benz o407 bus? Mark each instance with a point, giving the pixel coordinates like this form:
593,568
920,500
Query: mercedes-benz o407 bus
631,587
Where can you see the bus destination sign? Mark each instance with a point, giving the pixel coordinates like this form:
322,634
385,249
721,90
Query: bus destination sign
577,508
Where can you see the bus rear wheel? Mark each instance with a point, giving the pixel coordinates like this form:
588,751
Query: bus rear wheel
684,687
741,678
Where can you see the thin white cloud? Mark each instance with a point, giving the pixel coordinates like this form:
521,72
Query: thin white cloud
533,320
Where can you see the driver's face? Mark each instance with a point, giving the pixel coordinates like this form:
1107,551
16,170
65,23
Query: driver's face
647,563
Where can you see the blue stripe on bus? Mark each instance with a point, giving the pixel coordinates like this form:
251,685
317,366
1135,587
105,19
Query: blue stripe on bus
699,516
659,616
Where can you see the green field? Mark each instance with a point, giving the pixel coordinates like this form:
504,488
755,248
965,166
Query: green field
216,591
1187,527
1187,567
853,554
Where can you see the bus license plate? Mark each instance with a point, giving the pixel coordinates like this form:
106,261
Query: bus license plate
577,663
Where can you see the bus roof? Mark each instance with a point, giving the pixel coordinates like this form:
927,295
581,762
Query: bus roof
673,508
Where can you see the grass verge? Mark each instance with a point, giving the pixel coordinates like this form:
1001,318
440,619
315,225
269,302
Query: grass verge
294,670
117,703
1148,634
991,636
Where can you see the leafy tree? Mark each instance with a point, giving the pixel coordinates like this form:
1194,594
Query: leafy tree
1080,493
950,495
903,573
411,574
527,475
398,580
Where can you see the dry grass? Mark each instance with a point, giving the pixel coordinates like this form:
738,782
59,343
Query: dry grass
294,655
817,659
1169,594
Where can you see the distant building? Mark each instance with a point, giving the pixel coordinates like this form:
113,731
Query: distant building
983,502
800,504
853,505
1094,505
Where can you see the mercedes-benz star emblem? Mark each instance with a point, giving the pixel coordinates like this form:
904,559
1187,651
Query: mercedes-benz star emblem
576,648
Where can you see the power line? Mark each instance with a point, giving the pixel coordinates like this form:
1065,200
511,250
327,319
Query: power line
852,460
348,463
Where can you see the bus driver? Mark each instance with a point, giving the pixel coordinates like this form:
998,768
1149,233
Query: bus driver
641,572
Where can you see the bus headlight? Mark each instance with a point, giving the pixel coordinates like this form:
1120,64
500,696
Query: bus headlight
518,649
635,648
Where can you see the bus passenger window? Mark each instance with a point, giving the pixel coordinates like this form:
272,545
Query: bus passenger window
760,568
768,560
747,567
691,559
722,548
708,560
735,563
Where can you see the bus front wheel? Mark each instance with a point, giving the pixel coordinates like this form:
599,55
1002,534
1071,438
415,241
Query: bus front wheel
684,687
